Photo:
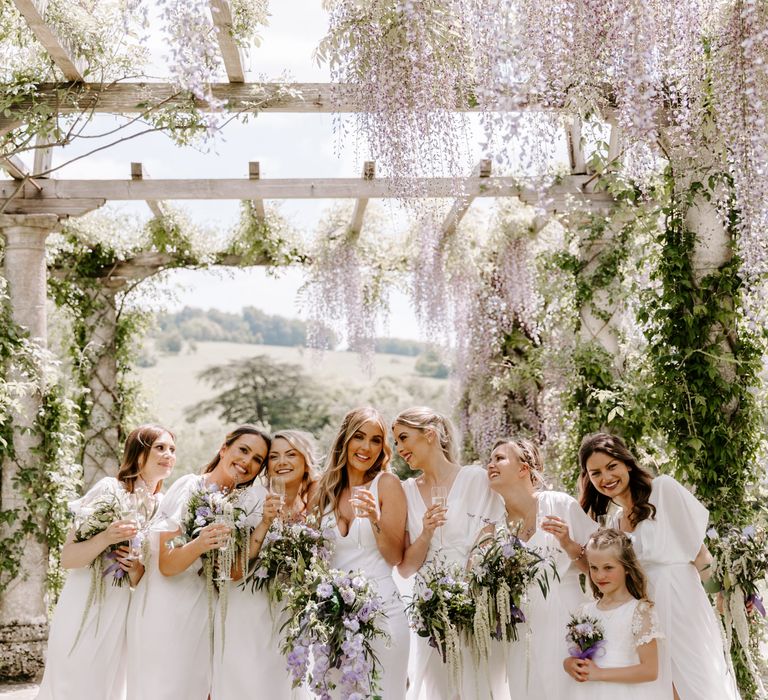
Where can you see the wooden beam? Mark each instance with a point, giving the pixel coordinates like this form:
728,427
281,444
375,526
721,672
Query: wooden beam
221,14
59,207
156,207
59,193
575,146
127,98
356,225
33,12
254,173
614,142
461,205
14,166
43,157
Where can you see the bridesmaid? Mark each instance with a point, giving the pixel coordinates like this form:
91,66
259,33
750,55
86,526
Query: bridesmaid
552,523
425,440
170,651
251,627
668,525
373,542
94,667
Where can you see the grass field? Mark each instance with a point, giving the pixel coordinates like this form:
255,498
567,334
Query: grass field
172,386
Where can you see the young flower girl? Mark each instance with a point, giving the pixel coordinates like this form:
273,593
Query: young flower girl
626,662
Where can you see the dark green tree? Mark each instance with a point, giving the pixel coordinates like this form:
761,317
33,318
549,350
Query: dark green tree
276,395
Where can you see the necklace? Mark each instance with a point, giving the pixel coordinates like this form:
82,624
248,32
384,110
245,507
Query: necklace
526,531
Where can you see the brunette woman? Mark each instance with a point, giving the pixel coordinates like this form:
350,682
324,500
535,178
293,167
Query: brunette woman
173,657
250,626
87,643
448,507
667,525
363,502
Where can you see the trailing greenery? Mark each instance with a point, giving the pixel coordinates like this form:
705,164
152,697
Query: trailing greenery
49,482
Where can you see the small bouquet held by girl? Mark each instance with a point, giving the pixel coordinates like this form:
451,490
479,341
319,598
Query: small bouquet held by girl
442,609
334,618
501,569
288,550
614,639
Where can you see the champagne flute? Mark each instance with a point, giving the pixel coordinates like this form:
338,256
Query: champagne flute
602,521
354,500
440,498
225,517
131,512
277,487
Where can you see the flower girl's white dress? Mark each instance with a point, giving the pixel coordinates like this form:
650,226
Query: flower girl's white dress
626,627
246,651
392,654
94,668
471,506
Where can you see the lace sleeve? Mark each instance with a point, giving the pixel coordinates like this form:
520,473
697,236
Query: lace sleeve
645,623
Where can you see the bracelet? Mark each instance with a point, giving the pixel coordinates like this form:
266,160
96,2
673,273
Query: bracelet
581,553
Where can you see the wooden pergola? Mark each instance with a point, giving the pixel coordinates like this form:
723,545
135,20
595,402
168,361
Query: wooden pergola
32,205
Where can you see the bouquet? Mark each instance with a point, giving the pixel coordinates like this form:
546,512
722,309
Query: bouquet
288,550
443,610
209,504
501,569
586,637
334,618
740,564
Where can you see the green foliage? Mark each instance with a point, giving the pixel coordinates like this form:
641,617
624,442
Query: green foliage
429,364
276,395
705,364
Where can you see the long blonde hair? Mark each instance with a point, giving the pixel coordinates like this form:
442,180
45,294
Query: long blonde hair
610,538
304,443
335,478
423,418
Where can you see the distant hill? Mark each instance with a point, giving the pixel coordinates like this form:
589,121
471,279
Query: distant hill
251,326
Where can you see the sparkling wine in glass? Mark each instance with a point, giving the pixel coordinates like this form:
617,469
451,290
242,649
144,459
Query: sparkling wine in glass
277,487
440,498
354,501
225,517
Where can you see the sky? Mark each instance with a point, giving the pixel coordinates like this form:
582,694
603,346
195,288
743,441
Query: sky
286,145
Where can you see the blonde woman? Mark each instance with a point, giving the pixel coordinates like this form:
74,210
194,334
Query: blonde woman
425,440
554,524
372,540
251,627
172,654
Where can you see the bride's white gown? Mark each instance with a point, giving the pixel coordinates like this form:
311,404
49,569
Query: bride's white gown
246,655
471,505
94,668
348,556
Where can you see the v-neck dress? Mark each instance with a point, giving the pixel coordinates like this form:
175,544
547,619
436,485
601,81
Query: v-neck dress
534,664
348,556
471,506
666,547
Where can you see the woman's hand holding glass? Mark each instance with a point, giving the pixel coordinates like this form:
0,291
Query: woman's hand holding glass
213,536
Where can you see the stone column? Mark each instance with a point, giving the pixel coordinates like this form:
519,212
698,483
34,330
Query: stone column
23,618
101,439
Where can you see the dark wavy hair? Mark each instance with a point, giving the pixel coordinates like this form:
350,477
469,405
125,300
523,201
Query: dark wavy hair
595,503
245,429
608,538
137,447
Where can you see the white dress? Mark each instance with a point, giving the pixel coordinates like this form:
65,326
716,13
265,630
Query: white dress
247,661
169,651
666,547
95,668
392,654
541,645
626,627
471,505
